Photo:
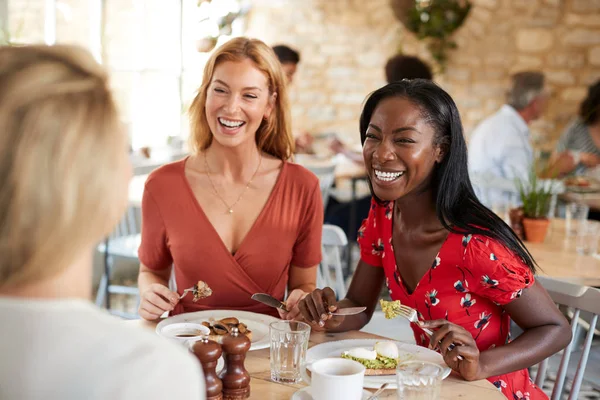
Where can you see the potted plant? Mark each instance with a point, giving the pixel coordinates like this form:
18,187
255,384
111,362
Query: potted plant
536,197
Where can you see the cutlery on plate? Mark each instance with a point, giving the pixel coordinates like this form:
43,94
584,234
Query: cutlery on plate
411,315
378,392
273,302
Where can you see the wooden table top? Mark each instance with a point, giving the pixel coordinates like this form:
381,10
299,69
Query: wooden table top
258,365
557,257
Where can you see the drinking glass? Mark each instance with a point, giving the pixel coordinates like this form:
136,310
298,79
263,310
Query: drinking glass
588,234
419,380
289,342
575,214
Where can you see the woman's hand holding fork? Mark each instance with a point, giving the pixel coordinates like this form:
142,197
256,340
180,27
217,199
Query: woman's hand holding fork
457,346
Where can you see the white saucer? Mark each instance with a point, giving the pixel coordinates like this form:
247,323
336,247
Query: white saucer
303,394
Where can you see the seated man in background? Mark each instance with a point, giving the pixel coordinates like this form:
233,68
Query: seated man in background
338,213
64,178
289,59
500,148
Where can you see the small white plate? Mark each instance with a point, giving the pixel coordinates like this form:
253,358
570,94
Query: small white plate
257,323
304,394
336,348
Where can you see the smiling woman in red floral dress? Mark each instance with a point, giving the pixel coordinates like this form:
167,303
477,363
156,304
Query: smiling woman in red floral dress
439,250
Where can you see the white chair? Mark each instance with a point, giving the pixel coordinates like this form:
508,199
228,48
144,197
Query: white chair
333,243
491,189
122,243
326,175
579,299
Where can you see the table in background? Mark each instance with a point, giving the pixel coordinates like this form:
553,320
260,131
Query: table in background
591,199
261,387
557,257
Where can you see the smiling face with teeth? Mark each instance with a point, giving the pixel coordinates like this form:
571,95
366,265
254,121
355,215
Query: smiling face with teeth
399,149
238,99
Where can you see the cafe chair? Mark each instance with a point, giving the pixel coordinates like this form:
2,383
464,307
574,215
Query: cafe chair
579,299
326,175
123,243
333,244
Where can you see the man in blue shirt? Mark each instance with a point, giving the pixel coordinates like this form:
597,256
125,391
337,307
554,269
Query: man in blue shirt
500,148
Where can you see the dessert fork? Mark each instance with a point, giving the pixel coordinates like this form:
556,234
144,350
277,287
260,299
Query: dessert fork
411,315
186,291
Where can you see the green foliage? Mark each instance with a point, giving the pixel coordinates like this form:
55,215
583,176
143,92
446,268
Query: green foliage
435,21
535,196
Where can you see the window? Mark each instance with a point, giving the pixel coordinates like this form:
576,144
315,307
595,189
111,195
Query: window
148,46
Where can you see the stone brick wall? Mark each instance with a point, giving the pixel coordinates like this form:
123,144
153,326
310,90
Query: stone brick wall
345,43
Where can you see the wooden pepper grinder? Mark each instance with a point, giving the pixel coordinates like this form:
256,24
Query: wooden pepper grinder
208,353
236,380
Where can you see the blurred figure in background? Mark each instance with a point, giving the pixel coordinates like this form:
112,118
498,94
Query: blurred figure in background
338,213
581,140
64,178
289,59
500,148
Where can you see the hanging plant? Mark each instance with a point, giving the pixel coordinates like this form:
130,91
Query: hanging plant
433,21
217,19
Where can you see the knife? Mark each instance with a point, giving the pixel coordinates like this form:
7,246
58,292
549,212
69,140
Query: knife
273,302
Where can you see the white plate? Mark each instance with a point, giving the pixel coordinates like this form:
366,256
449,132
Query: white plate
336,348
304,394
257,323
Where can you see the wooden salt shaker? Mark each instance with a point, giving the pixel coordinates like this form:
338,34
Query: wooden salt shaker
208,353
236,380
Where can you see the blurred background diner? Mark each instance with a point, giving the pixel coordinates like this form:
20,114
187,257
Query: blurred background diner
525,75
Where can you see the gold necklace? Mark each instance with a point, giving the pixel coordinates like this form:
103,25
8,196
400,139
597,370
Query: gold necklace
230,207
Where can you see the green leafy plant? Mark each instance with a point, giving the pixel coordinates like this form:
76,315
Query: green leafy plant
535,196
435,21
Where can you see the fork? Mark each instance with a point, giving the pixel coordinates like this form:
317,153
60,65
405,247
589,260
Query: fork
185,292
411,315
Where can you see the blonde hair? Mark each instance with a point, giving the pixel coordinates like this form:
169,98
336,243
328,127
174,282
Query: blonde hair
58,160
274,134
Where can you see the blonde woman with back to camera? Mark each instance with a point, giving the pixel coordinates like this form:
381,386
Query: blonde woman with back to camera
64,173
235,214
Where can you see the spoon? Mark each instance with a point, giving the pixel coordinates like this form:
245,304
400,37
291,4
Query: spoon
378,392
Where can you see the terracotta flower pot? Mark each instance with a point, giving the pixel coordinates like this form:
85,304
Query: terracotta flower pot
535,229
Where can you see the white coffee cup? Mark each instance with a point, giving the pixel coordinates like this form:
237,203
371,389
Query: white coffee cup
335,379
186,333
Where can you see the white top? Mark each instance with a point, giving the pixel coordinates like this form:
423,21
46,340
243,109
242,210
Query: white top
70,349
500,151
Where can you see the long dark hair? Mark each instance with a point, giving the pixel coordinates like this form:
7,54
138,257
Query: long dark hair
457,206
589,111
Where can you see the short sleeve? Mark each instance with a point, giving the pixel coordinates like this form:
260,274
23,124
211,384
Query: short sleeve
563,142
369,239
496,272
307,249
153,252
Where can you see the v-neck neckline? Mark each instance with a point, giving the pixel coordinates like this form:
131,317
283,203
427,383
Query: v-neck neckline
256,222
401,282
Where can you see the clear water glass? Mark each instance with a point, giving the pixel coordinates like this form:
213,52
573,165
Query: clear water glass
575,214
289,343
419,380
588,234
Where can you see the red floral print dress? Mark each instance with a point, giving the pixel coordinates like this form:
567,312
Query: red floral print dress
469,281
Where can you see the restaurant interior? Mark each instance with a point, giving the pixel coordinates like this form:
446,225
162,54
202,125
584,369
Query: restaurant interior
488,55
